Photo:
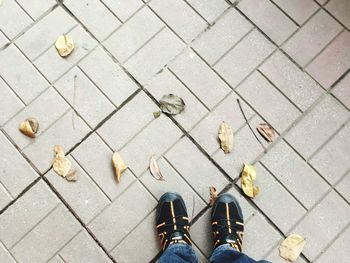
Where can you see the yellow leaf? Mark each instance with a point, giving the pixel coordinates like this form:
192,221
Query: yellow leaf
226,137
61,165
248,176
154,168
291,247
213,195
29,127
64,45
119,165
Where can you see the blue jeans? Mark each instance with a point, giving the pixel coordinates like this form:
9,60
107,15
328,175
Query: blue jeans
177,253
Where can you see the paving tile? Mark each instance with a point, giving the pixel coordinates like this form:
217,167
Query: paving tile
244,57
10,103
291,81
19,74
5,197
180,17
319,226
199,78
122,8
56,259
52,65
3,40
95,16
271,104
275,257
201,234
153,56
82,248
26,213
66,132
133,34
36,8
342,91
209,9
84,196
295,174
40,37
151,141
39,245
91,104
340,9
332,62
5,255
333,160
16,174
47,109
223,35
96,159
9,10
206,132
173,182
268,18
167,83
198,171
317,126
312,38
130,120
344,186
125,251
138,203
299,10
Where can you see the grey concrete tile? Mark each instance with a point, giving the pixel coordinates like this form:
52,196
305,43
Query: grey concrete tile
36,8
199,78
95,16
19,74
342,91
275,257
128,210
298,86
42,242
3,40
123,9
244,58
165,83
271,104
26,213
333,160
82,248
45,32
317,126
312,38
295,174
96,159
269,18
56,259
154,56
223,35
332,62
180,17
16,174
201,234
343,187
5,255
209,9
195,168
5,197
340,9
299,10
133,34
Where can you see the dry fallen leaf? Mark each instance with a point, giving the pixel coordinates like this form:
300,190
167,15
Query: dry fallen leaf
226,137
157,114
172,104
64,45
119,165
291,247
266,131
213,195
154,168
61,165
29,127
248,176
72,176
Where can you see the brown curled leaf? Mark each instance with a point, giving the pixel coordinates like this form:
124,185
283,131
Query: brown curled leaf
119,165
154,168
72,176
266,131
291,247
226,137
29,127
248,176
61,165
213,195
64,45
171,104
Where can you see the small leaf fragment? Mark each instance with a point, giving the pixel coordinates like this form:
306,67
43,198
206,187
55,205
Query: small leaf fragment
119,165
248,176
61,164
29,127
226,137
64,45
157,114
72,176
172,104
154,168
291,247
266,131
213,195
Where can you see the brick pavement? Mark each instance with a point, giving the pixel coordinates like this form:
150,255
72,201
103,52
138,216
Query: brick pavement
287,61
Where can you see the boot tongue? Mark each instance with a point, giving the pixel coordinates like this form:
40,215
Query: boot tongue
176,236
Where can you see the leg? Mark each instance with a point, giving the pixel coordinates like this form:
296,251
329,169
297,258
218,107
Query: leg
173,230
